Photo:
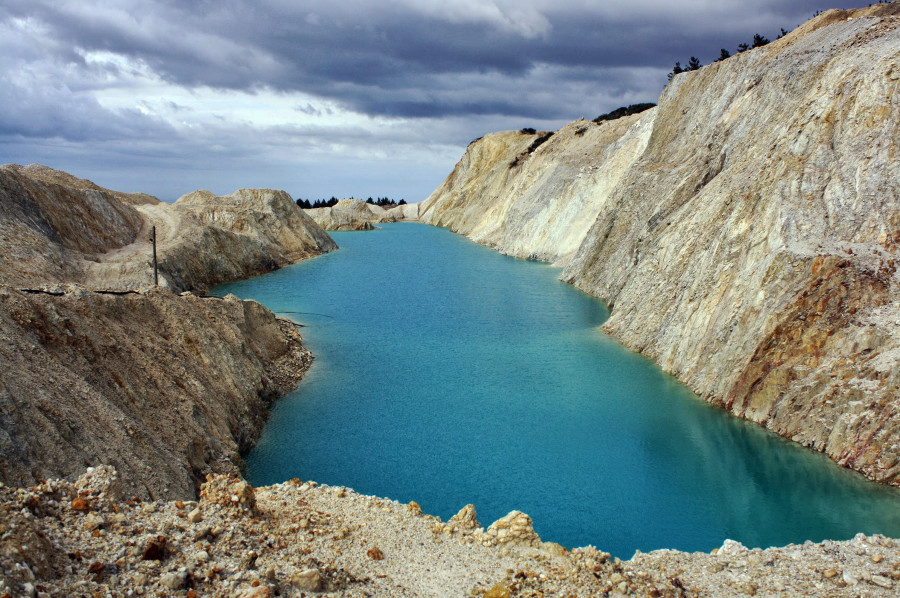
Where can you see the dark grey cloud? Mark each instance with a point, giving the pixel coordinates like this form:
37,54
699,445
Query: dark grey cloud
376,56
386,79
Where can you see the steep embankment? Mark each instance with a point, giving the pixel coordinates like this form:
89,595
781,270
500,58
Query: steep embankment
163,387
746,238
46,227
166,387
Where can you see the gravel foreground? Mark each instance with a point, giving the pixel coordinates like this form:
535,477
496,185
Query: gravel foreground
303,539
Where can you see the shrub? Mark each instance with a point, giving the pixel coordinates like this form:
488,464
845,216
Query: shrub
625,111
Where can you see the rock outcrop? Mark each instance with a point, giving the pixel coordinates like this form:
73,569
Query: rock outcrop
102,367
249,232
744,232
353,214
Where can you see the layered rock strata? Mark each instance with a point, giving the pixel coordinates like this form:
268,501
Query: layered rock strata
537,204
744,232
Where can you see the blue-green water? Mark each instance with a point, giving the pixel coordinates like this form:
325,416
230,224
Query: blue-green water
449,374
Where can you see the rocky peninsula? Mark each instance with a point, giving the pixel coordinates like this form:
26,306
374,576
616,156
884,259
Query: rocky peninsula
744,231
354,214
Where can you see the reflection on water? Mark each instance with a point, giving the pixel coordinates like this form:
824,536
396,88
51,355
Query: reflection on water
448,374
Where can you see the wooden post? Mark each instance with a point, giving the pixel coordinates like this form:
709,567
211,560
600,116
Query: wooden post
155,269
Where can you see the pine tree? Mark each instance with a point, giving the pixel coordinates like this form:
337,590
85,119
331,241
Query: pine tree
676,70
759,41
725,54
693,64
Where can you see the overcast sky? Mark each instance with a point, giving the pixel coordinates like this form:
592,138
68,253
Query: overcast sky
334,97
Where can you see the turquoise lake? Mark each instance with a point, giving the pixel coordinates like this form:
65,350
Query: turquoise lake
449,374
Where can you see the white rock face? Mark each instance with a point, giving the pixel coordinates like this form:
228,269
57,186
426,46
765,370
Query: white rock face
542,207
744,231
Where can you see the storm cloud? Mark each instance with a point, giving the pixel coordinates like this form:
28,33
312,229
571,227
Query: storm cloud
344,97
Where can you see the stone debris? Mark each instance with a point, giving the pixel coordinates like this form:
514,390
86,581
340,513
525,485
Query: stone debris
356,545
228,492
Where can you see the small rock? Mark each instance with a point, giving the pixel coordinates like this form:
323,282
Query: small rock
249,560
849,579
195,516
414,508
498,591
877,558
829,573
465,519
229,492
93,521
175,580
257,592
884,582
515,528
308,580
375,554
80,504
555,549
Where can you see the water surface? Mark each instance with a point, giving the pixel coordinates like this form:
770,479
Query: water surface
449,374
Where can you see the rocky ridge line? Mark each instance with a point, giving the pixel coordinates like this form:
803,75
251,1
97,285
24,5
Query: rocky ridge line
55,227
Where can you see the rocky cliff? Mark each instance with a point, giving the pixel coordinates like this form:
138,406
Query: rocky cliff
534,196
101,367
744,232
